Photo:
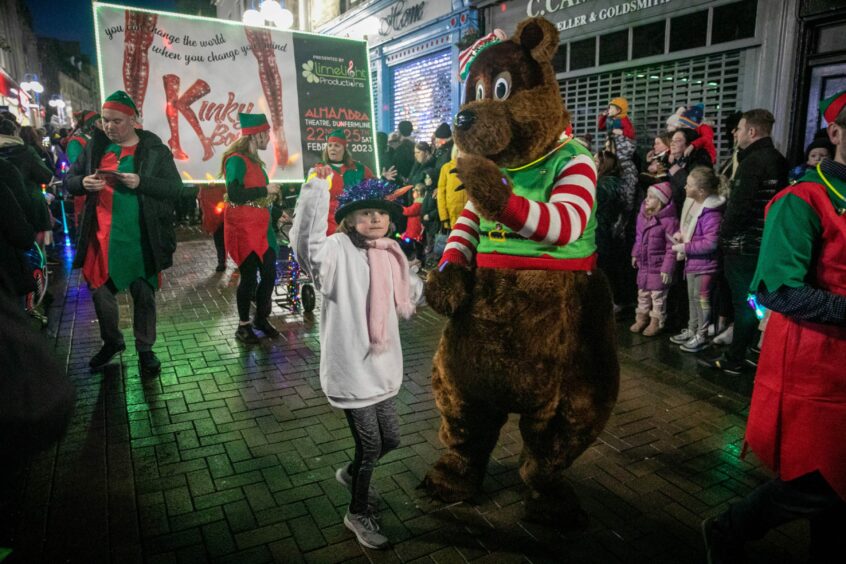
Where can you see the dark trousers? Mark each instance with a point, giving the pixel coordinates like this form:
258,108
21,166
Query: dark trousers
777,502
143,314
251,269
219,245
739,270
375,429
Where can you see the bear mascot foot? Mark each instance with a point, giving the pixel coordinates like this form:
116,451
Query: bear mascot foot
451,480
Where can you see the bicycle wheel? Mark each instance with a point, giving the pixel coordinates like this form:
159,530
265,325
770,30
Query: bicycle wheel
38,267
308,297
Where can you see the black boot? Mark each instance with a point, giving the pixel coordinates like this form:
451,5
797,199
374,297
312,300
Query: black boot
105,356
149,364
265,327
245,334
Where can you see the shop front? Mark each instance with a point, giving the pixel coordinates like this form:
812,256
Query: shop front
413,57
821,69
661,54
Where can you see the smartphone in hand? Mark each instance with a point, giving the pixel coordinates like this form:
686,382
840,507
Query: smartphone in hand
110,176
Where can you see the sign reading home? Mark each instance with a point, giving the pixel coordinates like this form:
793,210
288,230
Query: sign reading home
190,78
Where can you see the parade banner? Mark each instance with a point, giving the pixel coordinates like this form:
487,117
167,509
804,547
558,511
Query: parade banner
190,77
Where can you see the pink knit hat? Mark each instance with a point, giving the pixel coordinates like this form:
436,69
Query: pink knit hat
662,191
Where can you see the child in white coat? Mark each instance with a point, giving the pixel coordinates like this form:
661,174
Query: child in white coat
366,285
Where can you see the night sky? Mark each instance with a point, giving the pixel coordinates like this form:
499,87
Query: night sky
74,19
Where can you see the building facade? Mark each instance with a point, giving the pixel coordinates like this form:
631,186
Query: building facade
731,55
69,77
18,62
413,55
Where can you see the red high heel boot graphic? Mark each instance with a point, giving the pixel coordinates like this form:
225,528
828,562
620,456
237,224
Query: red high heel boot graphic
261,46
136,65
176,105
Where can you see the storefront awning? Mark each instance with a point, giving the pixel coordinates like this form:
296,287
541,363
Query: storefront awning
7,84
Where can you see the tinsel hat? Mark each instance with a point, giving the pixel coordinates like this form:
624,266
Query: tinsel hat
371,193
121,102
466,57
253,123
831,107
337,136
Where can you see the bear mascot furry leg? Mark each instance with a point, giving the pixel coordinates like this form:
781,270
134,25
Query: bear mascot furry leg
531,328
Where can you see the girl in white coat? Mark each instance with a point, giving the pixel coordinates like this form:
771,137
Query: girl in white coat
365,284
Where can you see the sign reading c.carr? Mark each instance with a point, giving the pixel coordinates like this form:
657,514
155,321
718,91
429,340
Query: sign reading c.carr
190,78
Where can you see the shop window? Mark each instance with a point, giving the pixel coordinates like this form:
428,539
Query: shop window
614,47
559,62
422,93
734,21
689,31
648,40
831,38
583,54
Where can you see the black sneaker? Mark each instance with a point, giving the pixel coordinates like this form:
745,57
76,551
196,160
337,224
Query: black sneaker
149,364
723,364
265,327
105,356
245,334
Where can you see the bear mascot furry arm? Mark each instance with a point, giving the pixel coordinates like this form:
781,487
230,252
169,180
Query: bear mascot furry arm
531,328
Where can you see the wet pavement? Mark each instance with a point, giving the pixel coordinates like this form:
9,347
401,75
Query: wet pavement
229,456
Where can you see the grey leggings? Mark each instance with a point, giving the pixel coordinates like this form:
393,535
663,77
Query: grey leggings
375,429
699,302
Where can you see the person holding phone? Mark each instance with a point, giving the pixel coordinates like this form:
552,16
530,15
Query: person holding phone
247,229
126,238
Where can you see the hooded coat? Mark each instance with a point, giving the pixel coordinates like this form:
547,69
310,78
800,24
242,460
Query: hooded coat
702,236
653,246
34,173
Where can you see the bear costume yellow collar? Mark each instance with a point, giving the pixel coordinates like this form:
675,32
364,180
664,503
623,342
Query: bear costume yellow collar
539,159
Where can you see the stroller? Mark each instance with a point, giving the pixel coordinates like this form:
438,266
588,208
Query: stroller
294,289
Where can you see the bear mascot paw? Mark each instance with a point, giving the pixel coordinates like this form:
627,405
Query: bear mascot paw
530,325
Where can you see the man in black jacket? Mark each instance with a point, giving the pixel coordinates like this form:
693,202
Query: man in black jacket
126,237
761,173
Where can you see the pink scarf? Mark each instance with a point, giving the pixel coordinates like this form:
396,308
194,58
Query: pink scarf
386,259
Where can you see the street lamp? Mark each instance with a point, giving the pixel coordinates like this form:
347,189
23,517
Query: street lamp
269,11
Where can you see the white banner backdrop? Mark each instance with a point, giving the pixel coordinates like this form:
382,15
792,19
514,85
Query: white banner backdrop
191,76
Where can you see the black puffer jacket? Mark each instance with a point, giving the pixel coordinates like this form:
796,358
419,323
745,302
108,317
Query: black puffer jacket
160,187
34,173
761,174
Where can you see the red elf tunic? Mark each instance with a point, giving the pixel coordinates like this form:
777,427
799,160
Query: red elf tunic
246,227
115,252
797,420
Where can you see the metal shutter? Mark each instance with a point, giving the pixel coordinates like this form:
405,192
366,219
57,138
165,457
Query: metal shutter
655,91
422,93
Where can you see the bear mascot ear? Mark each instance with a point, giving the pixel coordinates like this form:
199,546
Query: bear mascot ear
539,37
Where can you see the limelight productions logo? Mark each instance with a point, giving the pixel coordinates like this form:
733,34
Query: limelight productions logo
334,71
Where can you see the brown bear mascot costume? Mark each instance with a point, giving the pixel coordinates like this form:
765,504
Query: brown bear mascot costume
531,328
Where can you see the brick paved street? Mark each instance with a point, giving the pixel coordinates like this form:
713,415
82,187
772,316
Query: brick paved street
230,455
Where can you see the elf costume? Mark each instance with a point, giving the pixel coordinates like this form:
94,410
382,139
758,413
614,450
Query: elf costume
800,378
126,235
76,145
348,172
115,252
247,225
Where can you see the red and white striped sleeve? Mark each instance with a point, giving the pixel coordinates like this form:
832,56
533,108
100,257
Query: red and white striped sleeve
464,237
563,219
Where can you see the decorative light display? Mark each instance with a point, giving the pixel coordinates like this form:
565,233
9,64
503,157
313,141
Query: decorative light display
422,93
293,286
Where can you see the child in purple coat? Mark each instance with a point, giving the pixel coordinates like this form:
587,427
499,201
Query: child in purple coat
654,258
696,243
